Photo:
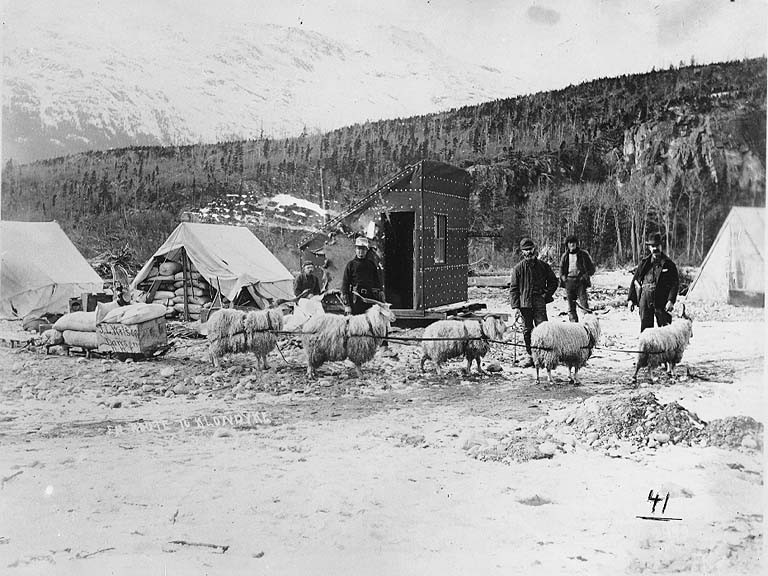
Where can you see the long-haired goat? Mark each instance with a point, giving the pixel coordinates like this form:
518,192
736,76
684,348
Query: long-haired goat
664,345
468,338
231,331
332,338
569,343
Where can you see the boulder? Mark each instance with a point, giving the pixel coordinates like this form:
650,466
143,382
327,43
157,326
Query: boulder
547,448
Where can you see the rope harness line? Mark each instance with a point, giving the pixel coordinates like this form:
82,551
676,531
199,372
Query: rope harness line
467,337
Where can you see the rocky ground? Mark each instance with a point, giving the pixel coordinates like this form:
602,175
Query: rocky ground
172,466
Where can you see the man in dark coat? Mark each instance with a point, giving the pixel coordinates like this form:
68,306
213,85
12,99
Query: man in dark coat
362,276
531,287
576,267
306,283
654,286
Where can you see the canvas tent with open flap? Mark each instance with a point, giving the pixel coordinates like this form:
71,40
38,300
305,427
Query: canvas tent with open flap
199,260
40,270
733,270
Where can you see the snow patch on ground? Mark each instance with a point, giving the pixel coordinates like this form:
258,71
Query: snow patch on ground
288,200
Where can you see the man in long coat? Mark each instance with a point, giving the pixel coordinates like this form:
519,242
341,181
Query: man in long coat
531,288
654,286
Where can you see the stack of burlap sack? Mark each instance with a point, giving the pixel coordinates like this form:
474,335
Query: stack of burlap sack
172,293
197,293
78,328
165,273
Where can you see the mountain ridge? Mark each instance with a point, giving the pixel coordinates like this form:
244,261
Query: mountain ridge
669,150
64,97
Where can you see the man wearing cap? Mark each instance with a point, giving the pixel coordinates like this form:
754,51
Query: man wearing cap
306,283
361,275
654,286
531,287
576,267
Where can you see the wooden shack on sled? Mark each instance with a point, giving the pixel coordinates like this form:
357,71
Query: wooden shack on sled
417,223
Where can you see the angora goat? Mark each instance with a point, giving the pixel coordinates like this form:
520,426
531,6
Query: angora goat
330,337
569,343
664,345
467,338
231,331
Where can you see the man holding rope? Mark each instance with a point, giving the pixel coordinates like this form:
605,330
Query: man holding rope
362,276
654,286
531,288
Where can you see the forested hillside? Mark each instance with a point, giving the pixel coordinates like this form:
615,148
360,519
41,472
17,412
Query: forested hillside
669,150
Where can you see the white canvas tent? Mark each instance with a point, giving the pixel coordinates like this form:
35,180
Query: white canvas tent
229,257
734,269
40,270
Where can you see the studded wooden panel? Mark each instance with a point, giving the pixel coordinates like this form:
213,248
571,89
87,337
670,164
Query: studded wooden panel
432,188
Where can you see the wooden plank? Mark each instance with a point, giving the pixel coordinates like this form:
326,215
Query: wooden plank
465,305
488,281
152,289
409,314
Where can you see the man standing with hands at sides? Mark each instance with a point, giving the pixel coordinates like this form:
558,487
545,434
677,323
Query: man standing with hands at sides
361,275
654,286
576,267
531,287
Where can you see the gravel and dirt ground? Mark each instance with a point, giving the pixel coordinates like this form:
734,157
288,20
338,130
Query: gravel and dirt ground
171,466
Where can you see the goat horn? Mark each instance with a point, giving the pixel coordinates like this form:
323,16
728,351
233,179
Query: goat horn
366,300
584,308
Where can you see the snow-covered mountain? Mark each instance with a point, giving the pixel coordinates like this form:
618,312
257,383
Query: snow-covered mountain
66,91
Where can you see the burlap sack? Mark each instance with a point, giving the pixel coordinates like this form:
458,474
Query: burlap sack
89,340
169,268
194,283
190,274
135,314
79,321
163,295
191,291
104,308
193,308
201,301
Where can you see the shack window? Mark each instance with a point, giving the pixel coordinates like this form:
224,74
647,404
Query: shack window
441,224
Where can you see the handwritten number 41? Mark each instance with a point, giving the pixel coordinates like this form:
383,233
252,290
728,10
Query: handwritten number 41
656,499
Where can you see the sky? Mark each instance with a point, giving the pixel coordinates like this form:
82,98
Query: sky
543,45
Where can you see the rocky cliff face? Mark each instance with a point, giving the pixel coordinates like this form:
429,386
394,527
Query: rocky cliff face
715,150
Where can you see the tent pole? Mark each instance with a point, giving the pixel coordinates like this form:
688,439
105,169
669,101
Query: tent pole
184,273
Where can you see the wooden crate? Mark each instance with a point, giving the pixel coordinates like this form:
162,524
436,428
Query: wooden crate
89,300
142,338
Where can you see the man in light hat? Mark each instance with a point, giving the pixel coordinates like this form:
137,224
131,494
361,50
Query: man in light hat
361,275
306,283
654,286
531,288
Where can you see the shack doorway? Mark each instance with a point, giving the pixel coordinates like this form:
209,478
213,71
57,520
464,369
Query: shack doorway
398,258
